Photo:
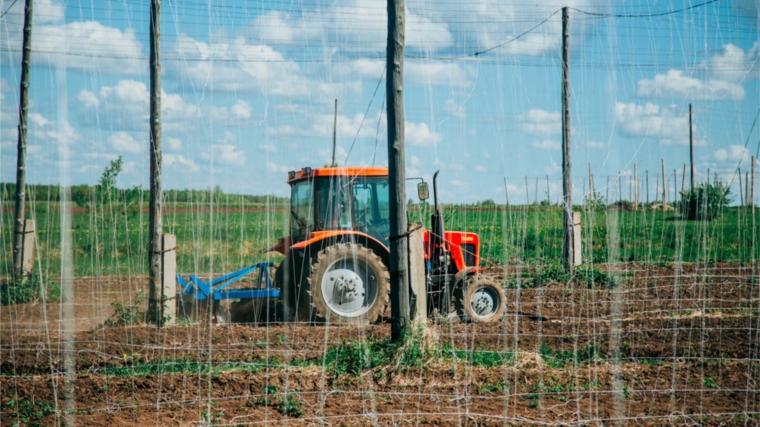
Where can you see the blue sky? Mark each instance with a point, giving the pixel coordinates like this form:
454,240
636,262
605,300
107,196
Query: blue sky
250,88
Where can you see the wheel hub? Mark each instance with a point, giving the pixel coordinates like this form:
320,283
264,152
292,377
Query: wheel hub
483,303
344,290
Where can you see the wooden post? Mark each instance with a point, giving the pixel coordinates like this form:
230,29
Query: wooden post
577,254
394,89
675,187
683,180
691,149
636,192
746,188
741,193
506,191
155,227
27,260
708,176
752,196
647,174
568,236
169,279
417,273
335,136
23,110
664,187
527,192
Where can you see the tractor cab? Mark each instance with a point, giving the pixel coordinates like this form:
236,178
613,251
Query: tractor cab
339,199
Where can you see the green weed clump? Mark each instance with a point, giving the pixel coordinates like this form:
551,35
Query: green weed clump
29,291
593,277
559,358
288,404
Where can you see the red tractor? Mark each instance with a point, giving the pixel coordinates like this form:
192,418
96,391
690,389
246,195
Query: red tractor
336,257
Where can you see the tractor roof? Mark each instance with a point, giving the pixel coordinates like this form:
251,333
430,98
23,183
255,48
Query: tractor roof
344,171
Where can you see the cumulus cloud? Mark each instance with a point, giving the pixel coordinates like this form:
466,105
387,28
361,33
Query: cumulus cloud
666,124
174,144
733,154
226,154
595,145
539,122
42,130
241,109
123,142
268,148
240,66
733,64
546,144
452,108
177,159
420,135
674,84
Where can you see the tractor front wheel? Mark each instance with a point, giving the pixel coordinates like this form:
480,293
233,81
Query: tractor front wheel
349,282
481,299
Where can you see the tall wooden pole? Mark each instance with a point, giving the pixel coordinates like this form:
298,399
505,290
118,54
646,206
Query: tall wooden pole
636,191
568,234
752,195
506,191
527,192
664,187
741,193
23,109
155,227
746,188
683,180
394,89
335,136
691,148
675,187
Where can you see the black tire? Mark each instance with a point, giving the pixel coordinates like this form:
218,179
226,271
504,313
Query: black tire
357,283
480,299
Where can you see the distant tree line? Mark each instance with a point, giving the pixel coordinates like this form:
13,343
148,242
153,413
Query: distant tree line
82,194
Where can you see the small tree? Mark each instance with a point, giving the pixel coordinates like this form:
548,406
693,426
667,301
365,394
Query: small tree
705,202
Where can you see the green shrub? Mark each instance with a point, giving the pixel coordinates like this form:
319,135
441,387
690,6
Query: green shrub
705,202
29,291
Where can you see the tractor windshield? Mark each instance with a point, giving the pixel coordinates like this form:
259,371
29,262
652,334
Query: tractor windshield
372,207
301,210
333,203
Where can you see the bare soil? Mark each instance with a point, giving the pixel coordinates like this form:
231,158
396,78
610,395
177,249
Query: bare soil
674,345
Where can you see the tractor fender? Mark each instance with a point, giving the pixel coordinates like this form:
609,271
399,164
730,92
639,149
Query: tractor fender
317,242
461,274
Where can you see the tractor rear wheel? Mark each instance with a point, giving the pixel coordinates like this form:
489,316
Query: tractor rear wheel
349,282
481,299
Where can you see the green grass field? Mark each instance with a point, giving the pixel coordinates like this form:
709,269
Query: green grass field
226,238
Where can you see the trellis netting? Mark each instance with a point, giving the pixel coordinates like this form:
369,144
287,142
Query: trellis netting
658,324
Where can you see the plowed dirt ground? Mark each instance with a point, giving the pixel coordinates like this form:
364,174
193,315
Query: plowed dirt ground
671,345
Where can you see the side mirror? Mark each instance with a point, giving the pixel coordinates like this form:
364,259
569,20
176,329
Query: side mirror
422,191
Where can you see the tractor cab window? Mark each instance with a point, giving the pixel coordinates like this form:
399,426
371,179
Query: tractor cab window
372,207
334,204
301,210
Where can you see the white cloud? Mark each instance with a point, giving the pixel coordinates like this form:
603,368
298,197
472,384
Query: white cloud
43,130
88,99
480,168
241,109
540,122
420,135
666,124
241,66
595,145
89,46
123,142
546,144
452,108
178,159
277,169
675,84
174,144
226,154
268,148
733,64
733,154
